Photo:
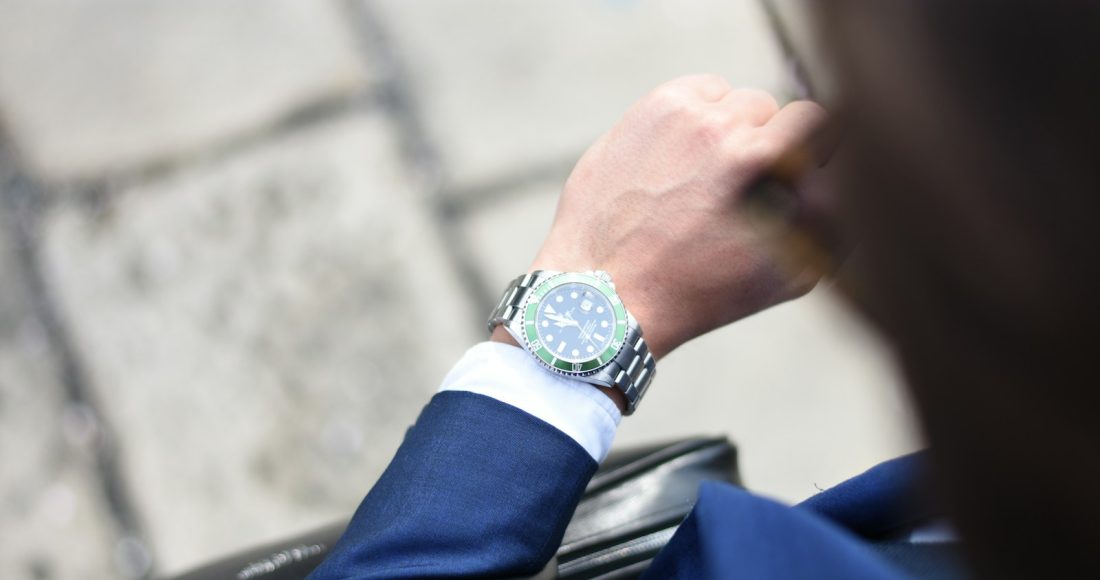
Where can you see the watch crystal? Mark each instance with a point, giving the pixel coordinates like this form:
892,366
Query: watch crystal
575,322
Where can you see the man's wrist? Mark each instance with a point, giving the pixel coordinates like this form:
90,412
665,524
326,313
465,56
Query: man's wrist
643,304
649,321
502,336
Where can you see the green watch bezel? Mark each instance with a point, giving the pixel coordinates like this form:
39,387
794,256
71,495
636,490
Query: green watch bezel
587,366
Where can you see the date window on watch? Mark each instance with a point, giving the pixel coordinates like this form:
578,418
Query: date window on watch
586,304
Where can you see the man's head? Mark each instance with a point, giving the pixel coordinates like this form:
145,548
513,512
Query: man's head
971,179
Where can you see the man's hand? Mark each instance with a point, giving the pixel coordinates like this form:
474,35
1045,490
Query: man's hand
655,203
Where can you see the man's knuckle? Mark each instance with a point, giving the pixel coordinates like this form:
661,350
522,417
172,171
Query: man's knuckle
710,78
669,99
763,101
802,116
713,126
813,109
814,106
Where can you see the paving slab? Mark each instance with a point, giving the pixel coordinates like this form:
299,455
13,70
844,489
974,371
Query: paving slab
103,85
503,85
52,516
264,329
806,390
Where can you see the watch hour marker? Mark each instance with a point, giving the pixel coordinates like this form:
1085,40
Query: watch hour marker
549,338
598,337
576,352
599,310
546,323
559,299
573,295
590,349
561,346
603,323
550,309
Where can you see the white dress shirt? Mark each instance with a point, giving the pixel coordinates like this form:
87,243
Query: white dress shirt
511,375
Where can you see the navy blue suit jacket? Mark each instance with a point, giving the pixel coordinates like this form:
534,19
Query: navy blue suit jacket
480,488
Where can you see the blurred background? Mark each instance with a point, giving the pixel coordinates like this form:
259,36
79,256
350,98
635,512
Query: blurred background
242,242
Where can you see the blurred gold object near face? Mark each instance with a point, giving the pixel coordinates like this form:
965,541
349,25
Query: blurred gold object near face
807,239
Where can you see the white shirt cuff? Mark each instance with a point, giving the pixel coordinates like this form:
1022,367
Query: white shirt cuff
510,375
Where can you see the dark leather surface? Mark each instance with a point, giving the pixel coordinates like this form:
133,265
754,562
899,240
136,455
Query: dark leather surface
629,510
635,502
288,559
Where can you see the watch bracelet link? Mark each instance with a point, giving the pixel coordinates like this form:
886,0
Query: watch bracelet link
633,368
514,297
631,371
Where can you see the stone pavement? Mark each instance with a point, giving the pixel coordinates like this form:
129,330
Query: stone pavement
242,243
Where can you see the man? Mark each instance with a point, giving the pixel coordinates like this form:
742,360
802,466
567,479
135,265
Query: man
654,203
971,191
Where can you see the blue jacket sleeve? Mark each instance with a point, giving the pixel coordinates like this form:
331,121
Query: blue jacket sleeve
734,534
477,488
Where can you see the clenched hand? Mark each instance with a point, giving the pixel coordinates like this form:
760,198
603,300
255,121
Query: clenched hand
655,202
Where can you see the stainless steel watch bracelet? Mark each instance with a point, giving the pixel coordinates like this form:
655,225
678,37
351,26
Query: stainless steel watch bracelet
513,298
630,371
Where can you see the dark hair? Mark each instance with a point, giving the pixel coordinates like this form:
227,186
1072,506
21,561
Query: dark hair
972,181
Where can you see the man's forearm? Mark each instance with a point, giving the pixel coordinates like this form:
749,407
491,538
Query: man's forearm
478,488
487,480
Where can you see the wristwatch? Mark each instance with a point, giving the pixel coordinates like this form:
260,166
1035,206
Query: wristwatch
577,326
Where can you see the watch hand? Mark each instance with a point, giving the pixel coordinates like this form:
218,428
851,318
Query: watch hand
561,322
586,332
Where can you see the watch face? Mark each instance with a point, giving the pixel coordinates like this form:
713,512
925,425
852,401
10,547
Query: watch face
574,323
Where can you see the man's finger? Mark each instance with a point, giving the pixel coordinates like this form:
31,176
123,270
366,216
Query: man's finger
754,107
797,121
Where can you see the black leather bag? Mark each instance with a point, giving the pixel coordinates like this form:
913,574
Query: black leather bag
629,511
